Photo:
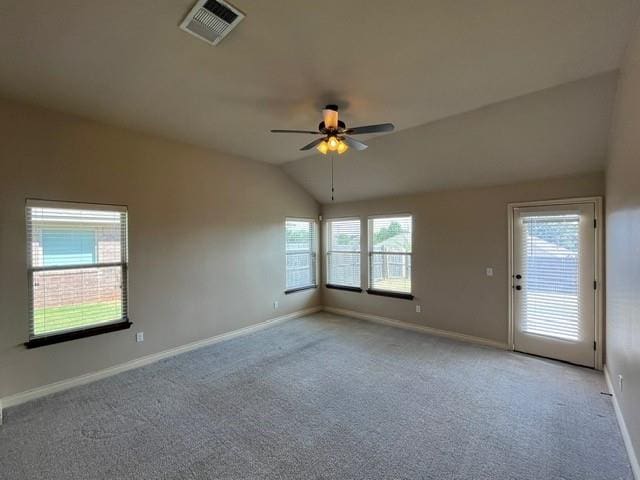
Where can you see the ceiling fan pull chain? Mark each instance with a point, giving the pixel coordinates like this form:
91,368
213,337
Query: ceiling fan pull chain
332,189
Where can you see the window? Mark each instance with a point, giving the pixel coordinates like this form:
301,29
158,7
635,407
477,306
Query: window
343,254
390,241
300,246
77,268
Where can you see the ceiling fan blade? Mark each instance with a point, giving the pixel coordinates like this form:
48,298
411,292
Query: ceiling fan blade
309,146
382,127
296,131
355,144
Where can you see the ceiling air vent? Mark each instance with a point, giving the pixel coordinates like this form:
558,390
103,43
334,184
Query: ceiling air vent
211,20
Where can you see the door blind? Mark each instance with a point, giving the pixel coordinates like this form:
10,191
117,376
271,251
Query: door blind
390,250
551,275
300,247
77,266
343,252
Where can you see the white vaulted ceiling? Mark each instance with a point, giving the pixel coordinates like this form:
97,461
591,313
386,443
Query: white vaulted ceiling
554,132
410,62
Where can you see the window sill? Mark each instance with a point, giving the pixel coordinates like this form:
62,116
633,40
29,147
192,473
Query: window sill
382,293
87,332
344,287
299,289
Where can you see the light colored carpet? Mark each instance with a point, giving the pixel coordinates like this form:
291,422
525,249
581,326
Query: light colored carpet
325,397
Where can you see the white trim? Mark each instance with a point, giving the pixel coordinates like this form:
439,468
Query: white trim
510,335
599,310
300,219
38,392
599,218
633,458
390,215
417,328
338,219
315,240
558,201
326,248
36,202
371,252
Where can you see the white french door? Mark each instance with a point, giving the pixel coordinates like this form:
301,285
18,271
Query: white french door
554,281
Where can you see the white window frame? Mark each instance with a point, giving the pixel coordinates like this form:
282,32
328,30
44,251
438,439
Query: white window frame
89,330
328,252
385,292
313,251
599,252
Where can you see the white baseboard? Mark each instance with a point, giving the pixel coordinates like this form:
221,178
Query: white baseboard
38,392
633,458
417,328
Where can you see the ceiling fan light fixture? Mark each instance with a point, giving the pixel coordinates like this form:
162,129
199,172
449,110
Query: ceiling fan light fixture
342,147
323,147
333,143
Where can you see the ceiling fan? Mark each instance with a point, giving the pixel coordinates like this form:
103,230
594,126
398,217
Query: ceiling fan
335,134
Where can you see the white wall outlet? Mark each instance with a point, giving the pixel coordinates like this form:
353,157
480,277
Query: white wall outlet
418,308
620,382
140,337
275,304
489,271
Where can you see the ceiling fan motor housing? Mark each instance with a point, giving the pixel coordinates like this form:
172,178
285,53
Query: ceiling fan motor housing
323,128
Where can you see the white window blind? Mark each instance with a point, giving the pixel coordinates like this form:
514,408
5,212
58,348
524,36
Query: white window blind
77,266
343,252
390,240
551,269
300,247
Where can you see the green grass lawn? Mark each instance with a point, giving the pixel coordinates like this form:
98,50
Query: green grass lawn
53,319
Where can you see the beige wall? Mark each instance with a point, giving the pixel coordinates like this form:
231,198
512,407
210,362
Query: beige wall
457,235
623,244
206,237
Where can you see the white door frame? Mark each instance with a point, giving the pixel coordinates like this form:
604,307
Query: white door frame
597,204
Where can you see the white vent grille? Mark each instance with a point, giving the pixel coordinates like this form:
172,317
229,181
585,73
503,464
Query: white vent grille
211,20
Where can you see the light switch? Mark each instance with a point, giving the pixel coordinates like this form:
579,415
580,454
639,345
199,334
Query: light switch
489,272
